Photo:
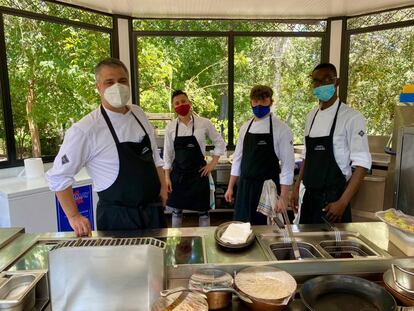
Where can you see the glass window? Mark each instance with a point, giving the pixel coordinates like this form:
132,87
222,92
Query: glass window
59,10
380,63
284,64
382,18
52,83
196,65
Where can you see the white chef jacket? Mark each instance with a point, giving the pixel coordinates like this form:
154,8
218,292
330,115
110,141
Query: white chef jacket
282,141
203,128
89,143
350,137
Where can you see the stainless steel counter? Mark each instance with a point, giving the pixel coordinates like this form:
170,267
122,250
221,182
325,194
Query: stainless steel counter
189,249
8,234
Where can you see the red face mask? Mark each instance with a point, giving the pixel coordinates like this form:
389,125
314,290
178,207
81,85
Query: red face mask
182,110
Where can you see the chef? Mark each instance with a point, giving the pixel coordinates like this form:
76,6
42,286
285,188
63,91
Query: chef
264,151
336,155
116,145
186,171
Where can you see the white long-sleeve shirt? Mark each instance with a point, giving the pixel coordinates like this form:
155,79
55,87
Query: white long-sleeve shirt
283,146
203,128
89,143
350,136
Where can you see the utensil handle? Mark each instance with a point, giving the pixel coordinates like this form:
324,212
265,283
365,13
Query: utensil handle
295,248
394,276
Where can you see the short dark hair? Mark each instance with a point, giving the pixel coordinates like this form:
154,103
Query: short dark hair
261,92
329,66
110,62
178,92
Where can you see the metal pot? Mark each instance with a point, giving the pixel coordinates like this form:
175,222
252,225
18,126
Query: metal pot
344,292
260,304
216,284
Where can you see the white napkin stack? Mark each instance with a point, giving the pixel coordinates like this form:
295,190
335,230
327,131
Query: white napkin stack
237,233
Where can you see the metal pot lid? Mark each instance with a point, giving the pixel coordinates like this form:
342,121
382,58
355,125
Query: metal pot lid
265,283
389,281
210,278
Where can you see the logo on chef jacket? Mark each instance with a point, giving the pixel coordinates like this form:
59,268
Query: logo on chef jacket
65,159
145,150
320,148
261,143
361,133
190,145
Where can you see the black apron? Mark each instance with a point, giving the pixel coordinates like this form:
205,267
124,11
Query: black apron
132,202
322,177
190,190
259,163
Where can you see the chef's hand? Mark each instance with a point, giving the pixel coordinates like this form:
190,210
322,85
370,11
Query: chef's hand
80,225
294,199
335,210
164,195
168,184
228,196
207,169
281,204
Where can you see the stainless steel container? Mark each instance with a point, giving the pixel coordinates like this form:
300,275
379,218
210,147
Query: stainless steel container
106,274
18,290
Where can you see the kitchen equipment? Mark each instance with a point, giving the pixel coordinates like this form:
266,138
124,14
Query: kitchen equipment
406,298
288,228
344,292
18,290
229,246
206,280
269,288
106,274
333,228
181,300
404,241
404,170
403,278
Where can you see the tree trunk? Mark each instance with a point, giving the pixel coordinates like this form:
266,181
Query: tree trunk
34,131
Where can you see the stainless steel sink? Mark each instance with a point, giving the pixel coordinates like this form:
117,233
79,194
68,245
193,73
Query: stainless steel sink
347,249
284,251
319,246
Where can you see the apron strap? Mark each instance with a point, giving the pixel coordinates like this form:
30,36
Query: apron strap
143,128
108,122
333,124
334,121
271,129
176,127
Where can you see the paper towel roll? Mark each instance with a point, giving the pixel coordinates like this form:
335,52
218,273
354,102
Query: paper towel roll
34,168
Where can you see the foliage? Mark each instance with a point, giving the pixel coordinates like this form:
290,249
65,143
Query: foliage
380,63
55,62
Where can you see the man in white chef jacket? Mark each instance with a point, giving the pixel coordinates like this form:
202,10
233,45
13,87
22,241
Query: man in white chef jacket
116,145
336,154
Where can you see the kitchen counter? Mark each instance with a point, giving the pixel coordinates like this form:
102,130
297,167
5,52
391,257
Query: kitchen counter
189,249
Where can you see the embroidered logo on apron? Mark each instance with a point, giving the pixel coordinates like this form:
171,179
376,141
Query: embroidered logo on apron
261,143
319,148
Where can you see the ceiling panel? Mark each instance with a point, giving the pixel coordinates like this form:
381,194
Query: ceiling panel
240,8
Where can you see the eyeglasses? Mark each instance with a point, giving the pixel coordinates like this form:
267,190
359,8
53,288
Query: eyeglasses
325,81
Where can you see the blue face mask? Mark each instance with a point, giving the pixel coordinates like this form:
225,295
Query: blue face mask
324,92
260,111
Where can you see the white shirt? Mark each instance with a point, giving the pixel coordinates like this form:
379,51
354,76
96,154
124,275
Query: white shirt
89,143
203,128
283,145
350,136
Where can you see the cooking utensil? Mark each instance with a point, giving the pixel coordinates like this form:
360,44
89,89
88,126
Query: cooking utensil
333,228
183,299
403,278
216,284
398,293
229,246
288,228
344,293
253,281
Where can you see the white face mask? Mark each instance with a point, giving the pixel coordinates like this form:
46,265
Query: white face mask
117,95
